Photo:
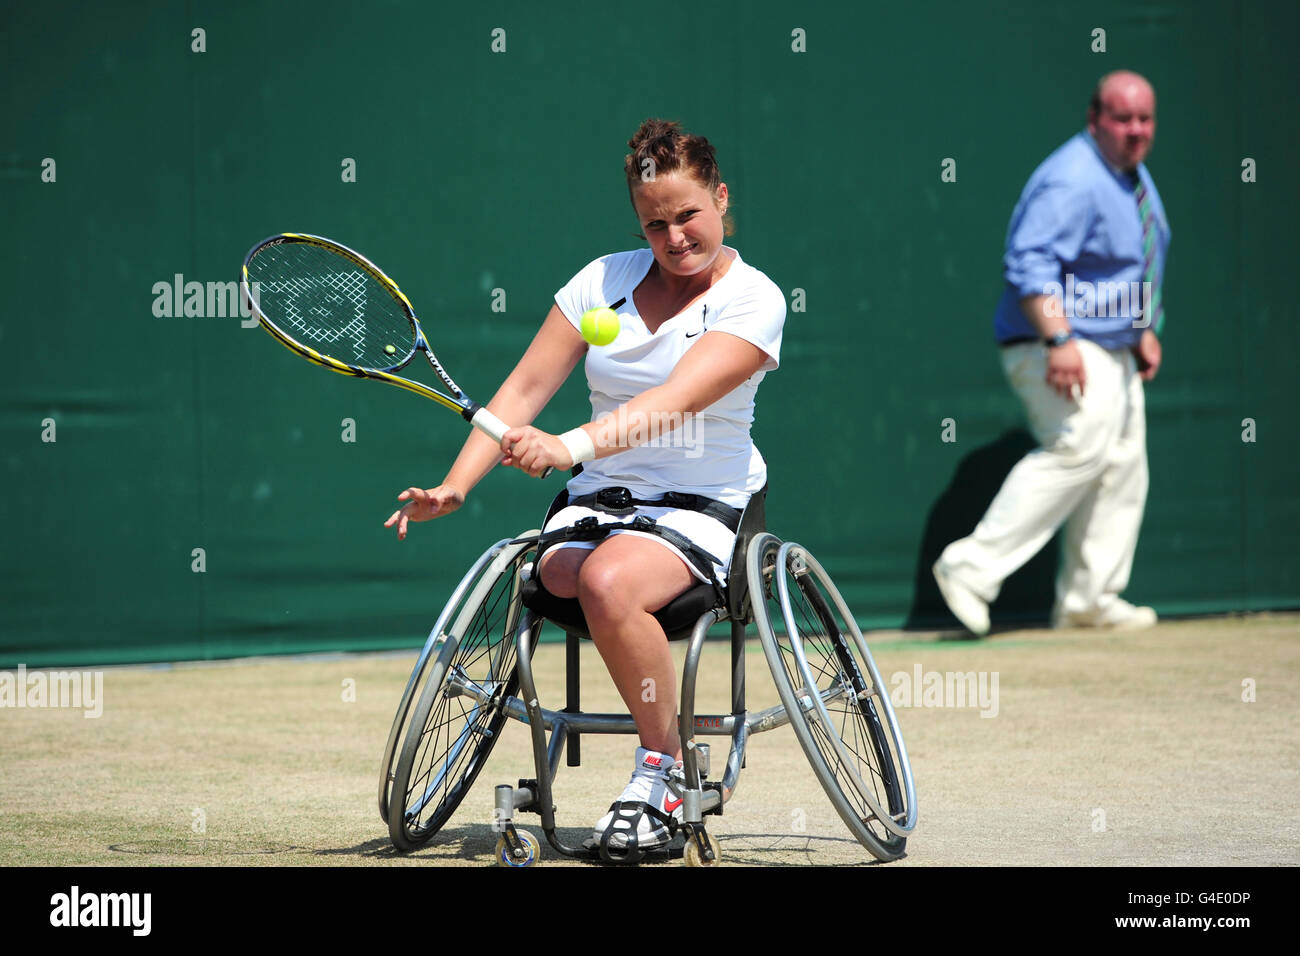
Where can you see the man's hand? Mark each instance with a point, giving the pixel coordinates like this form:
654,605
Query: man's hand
422,505
1147,353
1065,371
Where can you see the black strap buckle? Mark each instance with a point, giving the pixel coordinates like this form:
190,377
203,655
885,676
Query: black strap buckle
614,500
643,523
678,499
583,527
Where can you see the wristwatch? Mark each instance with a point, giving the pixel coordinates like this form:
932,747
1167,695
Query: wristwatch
1057,340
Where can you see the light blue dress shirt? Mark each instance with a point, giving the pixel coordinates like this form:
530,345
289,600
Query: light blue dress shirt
1076,233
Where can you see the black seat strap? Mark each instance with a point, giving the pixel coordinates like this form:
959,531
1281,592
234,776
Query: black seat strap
590,529
619,501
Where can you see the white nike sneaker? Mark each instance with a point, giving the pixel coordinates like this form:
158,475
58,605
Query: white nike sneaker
646,814
1119,615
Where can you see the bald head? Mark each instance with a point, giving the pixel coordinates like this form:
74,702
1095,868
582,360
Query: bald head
1122,118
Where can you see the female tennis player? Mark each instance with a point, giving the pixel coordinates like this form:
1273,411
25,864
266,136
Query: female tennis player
672,401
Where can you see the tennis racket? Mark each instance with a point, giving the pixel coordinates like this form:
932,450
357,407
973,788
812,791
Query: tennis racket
336,308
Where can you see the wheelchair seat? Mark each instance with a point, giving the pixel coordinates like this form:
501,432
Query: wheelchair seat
679,615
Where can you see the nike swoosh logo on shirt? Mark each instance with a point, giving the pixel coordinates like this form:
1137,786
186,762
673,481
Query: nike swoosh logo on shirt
704,323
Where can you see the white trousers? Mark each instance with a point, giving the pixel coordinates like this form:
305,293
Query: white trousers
1090,472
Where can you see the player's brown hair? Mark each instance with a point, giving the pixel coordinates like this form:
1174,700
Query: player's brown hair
660,146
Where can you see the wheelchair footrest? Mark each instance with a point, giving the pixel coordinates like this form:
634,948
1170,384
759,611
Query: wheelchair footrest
673,850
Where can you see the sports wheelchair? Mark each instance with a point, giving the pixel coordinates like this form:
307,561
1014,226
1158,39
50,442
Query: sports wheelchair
475,673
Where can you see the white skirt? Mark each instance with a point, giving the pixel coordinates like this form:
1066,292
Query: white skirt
701,530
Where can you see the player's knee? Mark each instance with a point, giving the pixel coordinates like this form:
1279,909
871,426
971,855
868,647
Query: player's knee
603,589
559,571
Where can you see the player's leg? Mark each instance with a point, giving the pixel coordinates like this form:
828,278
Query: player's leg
631,577
559,569
620,582
620,585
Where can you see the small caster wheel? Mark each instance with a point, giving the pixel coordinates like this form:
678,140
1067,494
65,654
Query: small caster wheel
692,856
527,854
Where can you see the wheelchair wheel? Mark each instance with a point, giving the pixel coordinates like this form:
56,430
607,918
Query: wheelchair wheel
838,705
415,685
454,699
692,857
531,854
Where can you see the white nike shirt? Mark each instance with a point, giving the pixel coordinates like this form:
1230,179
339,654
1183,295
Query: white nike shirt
711,454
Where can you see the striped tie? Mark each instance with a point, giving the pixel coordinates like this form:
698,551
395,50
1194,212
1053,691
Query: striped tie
1155,309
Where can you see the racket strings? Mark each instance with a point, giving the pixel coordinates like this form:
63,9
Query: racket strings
320,322
330,304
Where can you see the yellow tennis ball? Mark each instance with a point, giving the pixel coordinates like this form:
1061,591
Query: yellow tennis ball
600,326
390,349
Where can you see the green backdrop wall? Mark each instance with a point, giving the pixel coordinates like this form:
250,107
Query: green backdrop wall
479,170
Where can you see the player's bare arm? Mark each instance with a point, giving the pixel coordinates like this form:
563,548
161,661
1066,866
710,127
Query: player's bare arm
549,360
712,368
717,365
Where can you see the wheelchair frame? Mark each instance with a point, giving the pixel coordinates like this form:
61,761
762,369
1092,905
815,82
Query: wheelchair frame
879,807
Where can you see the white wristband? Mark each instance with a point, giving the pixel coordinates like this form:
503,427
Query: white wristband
579,444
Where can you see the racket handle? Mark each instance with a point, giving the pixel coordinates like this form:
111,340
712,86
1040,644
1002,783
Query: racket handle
490,425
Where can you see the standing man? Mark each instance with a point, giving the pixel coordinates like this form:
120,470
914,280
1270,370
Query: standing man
1078,326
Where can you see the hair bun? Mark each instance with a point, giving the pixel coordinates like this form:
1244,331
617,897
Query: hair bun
651,132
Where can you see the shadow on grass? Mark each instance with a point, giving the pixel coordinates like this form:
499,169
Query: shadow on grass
791,849
475,845
201,846
1027,595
